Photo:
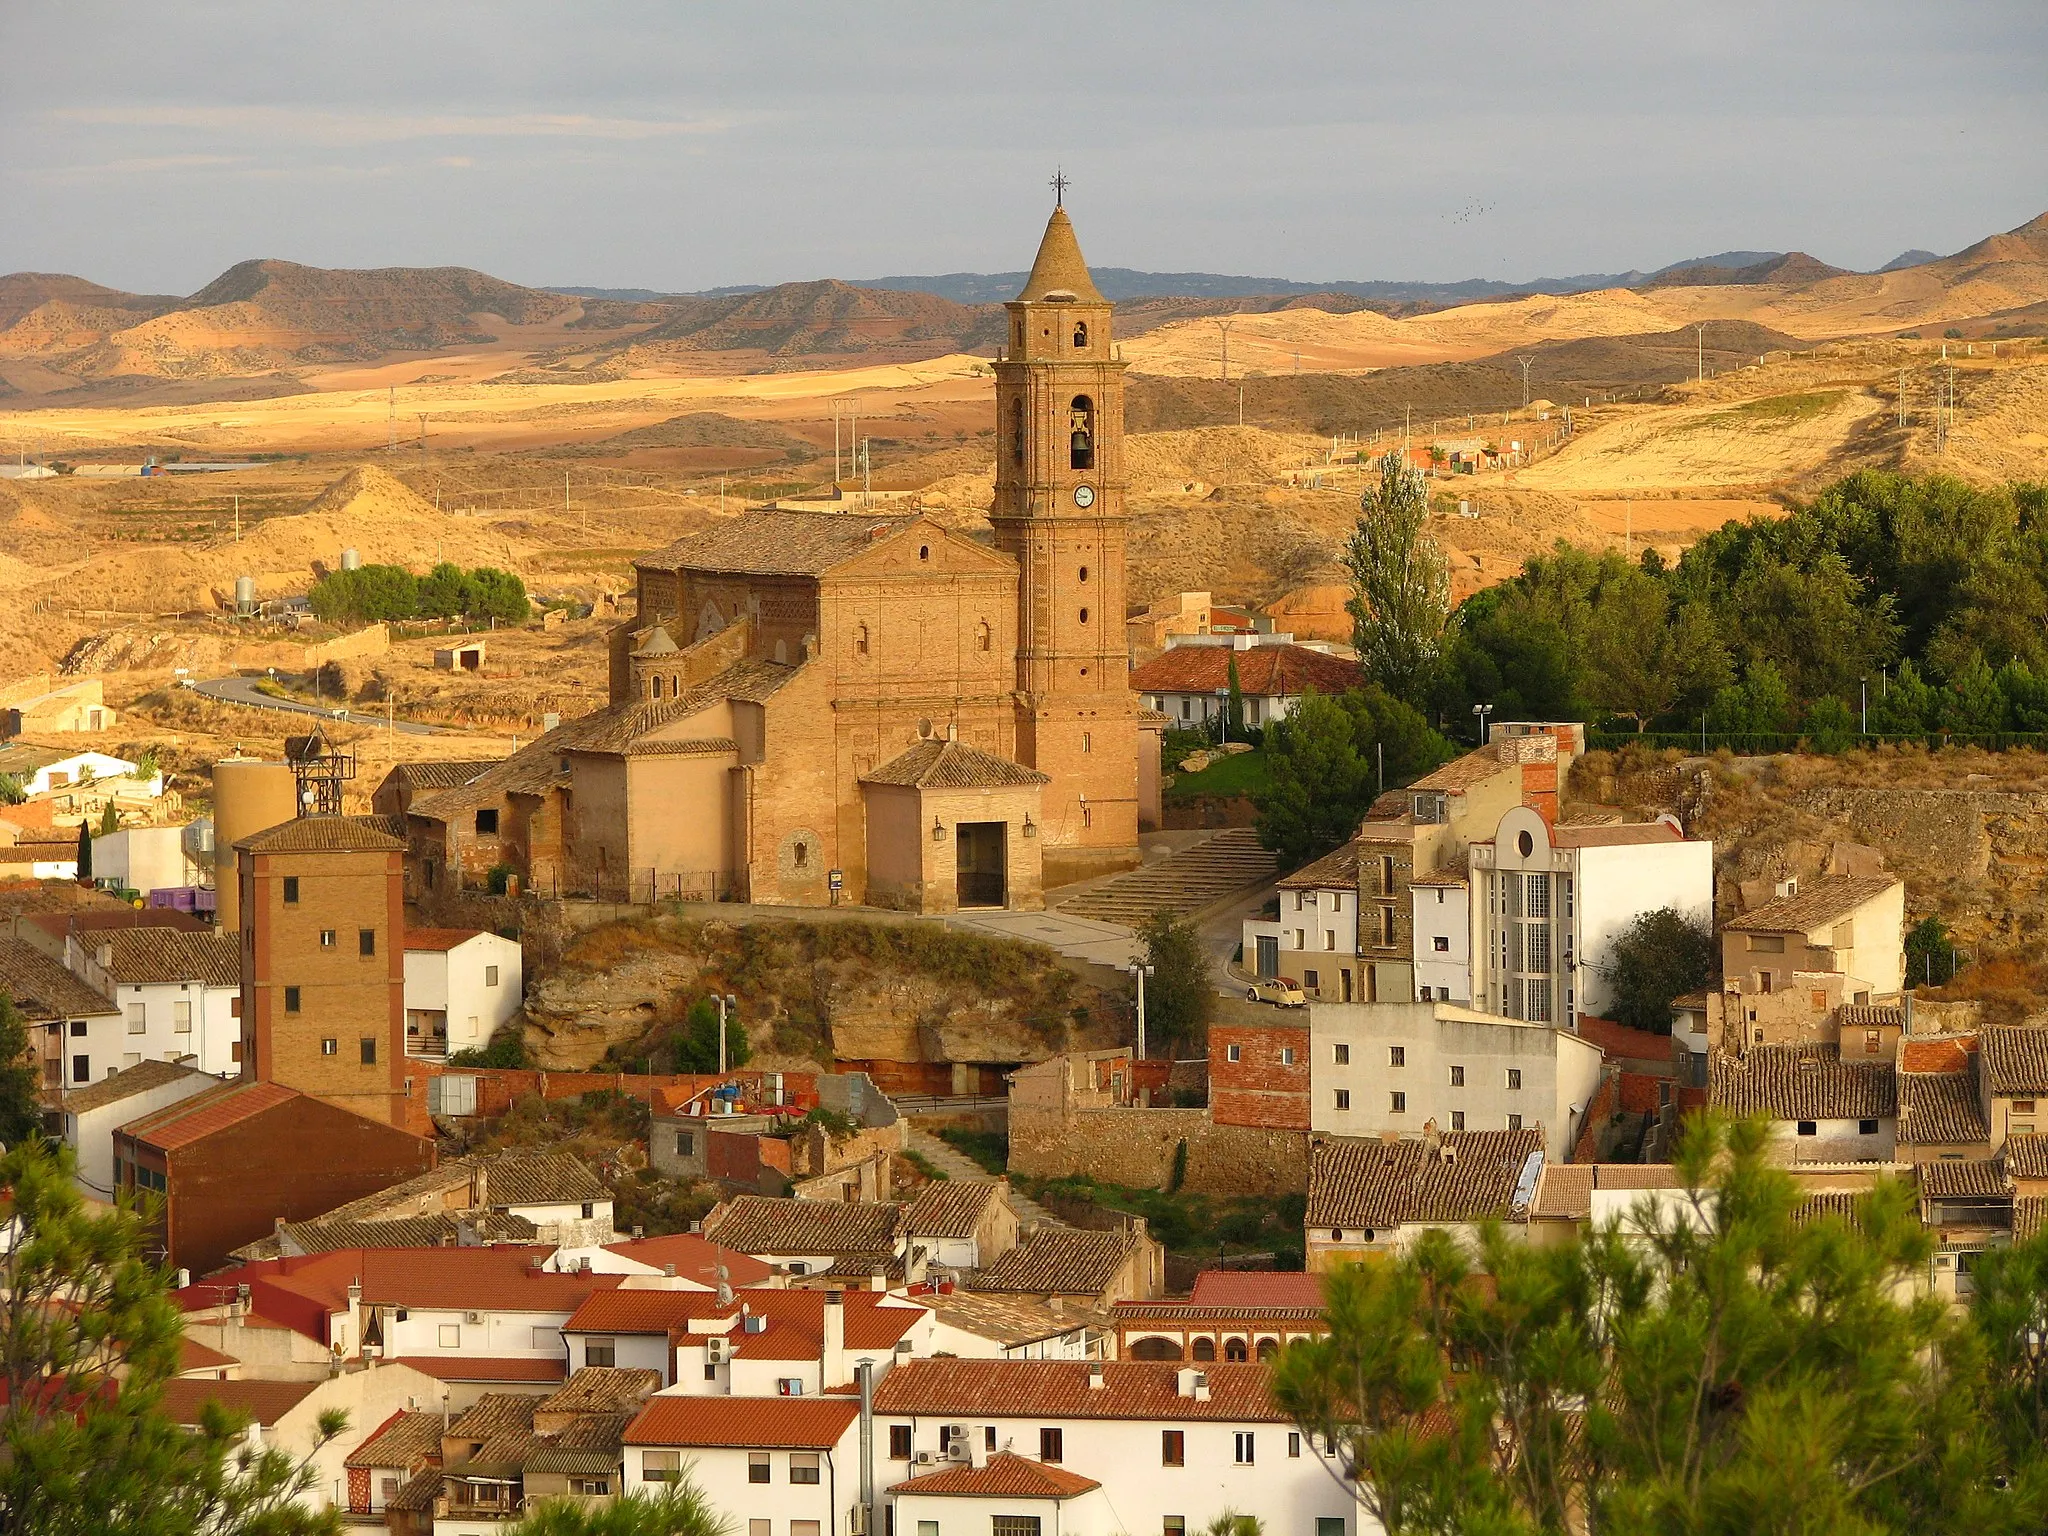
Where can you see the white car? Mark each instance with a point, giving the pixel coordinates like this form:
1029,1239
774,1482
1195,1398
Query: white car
1277,990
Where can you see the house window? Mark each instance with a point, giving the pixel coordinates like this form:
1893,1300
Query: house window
803,1466
1052,1444
81,1069
369,1045
1329,938
1312,980
78,1029
1808,1128
1244,1442
490,975
291,999
981,635
1013,1525
2023,1106
487,821
291,890
1294,1442
1397,1055
1286,1055
1386,874
988,1437
600,1351
330,1046
1457,1077
1341,1055
450,1335
588,1486
758,1466
1173,1448
1343,1098
1087,742
181,1018
686,1144
327,938
1174,1525
661,1466
1866,1127
1514,1122
1441,944
899,1442
1457,1119
1234,1052
1386,926
1400,1103
366,941
137,1020
803,1528
1514,1077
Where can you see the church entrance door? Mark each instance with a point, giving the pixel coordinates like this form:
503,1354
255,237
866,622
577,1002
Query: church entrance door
979,860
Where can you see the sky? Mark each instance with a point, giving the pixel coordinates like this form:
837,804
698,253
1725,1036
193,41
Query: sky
686,144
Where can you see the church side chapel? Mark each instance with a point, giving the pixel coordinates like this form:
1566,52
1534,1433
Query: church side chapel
810,706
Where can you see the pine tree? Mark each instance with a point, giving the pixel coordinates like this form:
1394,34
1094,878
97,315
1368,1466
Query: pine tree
679,1510
21,1104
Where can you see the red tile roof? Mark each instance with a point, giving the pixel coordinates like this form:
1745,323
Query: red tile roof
195,1356
475,1368
265,1402
795,1319
771,1423
194,1119
1616,836
1255,1288
1944,1053
1266,671
1058,1389
1006,1476
694,1258
1618,1040
494,1279
439,938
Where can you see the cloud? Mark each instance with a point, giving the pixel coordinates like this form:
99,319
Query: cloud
139,165
376,128
456,162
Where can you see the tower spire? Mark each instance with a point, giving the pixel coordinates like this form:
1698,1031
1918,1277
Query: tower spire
1059,187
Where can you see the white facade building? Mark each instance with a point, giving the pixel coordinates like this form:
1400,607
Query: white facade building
149,859
1443,935
40,771
461,986
92,1114
1380,1068
179,995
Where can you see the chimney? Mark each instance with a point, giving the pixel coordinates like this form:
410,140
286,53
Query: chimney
832,1361
355,1316
1095,1380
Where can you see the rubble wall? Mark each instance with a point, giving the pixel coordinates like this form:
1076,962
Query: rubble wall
1135,1147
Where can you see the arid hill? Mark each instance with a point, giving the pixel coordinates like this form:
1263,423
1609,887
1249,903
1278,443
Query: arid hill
1790,270
825,317
22,293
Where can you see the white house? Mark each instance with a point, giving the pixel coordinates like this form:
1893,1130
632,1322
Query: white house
149,859
1394,1068
1821,1108
1442,929
461,985
1190,682
1548,904
44,770
1314,940
1367,1199
92,1114
774,1466
180,996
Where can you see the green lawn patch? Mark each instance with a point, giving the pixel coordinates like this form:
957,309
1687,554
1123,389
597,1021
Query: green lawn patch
1241,773
1186,1222
1774,411
990,1150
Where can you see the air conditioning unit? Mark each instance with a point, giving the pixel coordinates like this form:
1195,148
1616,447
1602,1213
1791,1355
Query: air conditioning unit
857,1520
472,1317
714,1349
925,1458
958,1451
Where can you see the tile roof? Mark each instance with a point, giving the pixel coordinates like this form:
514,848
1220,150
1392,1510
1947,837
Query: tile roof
404,1440
937,764
588,1447
1630,835
418,1496
1941,1108
265,1402
1337,869
429,940
1385,1183
619,727
43,991
1060,1261
195,1356
635,1311
445,775
1802,1082
1263,671
1008,1319
57,924
1842,1203
1565,1190
795,1319
602,1389
1454,871
768,1423
1461,773
759,1224
194,1119
482,1368
2016,1056
1058,1389
494,1414
499,1279
1979,1178
324,834
1058,267
1826,900
129,1081
694,1258
539,1178
142,956
443,1230
1004,1476
1636,1176
950,1207
1256,1288
2026,1156
2029,1213
1871,1016
777,543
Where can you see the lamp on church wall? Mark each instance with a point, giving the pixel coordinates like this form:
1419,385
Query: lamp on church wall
1030,826
938,831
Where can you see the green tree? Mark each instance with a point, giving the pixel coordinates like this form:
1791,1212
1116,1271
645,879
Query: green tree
1317,786
21,1105
1660,957
1972,703
1180,993
499,595
680,1509
506,1048
1904,706
88,1337
1400,601
2026,696
1830,726
1760,704
1930,953
84,854
445,592
696,1047
11,790
1233,710
110,819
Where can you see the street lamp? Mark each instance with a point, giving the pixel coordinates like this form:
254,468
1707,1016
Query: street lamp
1482,711
1866,705
727,1002
1140,970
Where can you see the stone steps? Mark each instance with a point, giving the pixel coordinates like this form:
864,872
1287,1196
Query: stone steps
1187,881
956,1165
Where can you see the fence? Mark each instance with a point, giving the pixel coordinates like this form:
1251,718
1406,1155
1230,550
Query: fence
1766,743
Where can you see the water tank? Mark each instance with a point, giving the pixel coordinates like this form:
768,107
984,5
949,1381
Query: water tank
351,560
248,795
197,840
245,594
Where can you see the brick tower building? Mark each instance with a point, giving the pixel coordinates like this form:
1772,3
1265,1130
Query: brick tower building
1059,512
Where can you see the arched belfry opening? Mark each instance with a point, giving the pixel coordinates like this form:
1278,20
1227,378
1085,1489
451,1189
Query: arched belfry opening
1080,335
1081,450
1017,432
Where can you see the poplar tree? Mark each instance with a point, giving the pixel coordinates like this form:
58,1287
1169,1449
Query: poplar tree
1400,603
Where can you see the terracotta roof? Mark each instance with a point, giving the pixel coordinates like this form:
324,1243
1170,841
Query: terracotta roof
1004,1476
195,1356
1058,1389
1256,1288
499,1279
776,543
1819,902
43,991
495,1414
481,1368
693,746
2016,1056
768,1423
1334,870
324,834
443,1230
1454,871
129,1081
265,1402
795,1319
194,1119
1010,1320
634,1311
2026,1156
1058,266
1802,1082
620,727
1844,1204
602,1389
437,939
1636,1176
1565,1190
1978,1178
1060,1261
440,775
695,1258
1942,1053
539,1178
949,1207
759,1224
1469,1175
57,924
587,1447
1263,671
418,1496
1461,773
2029,1213
404,1440
1941,1108
1871,1016
145,955
936,764
1623,836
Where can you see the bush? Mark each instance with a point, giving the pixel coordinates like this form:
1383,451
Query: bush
696,1048
1659,958
1830,727
1930,953
507,1048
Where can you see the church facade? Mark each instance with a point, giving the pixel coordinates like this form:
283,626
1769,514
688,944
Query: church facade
812,707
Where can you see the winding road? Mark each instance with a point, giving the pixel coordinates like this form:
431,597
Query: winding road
243,690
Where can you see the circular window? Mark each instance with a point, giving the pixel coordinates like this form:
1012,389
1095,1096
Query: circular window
1084,671
1525,843
924,730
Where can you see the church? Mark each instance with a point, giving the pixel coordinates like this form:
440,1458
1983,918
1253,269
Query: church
817,707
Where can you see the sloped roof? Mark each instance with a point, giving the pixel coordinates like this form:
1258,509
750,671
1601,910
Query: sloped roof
1828,899
1564,1191
130,1081
758,1224
1336,869
494,1414
43,990
937,764
497,1279
794,1320
1010,1319
1257,1288
486,1368
265,1402
440,939
194,1119
142,956
1977,1178
324,834
777,543
539,1178
1469,1175
693,1258
764,1423
1939,1053
950,1207
440,775
2016,1055
1263,671
1059,267
418,1496
587,1447
1461,773
1802,1082
441,1230
1060,1261
404,1440
1059,1389
602,1389
1616,834
1941,1108
1004,1476
2026,1156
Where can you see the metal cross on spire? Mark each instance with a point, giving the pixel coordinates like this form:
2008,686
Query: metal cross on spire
1059,187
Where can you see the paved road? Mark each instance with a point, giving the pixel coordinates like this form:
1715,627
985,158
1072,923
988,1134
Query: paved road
242,690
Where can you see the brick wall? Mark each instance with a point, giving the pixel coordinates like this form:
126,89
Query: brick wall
1268,1083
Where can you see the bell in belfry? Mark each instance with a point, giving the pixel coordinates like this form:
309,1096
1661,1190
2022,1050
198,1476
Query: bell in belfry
1083,455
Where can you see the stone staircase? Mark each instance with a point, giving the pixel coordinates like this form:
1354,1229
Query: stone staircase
1188,881
960,1168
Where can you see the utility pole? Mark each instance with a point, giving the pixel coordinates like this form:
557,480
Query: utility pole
1240,402
1525,362
238,519
391,416
1224,326
726,1003
1866,706
1902,397
1700,349
1140,970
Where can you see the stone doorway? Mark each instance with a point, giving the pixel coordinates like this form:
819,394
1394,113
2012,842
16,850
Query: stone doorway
979,864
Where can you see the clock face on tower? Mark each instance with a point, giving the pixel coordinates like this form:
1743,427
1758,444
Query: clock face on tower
1084,495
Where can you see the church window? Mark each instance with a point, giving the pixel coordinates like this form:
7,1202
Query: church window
654,687
1087,742
981,636
1016,431
1084,575
1084,615
924,551
1081,439
1087,816
860,641
1080,334
802,854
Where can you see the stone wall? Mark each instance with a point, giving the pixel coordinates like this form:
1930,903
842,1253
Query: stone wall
1135,1147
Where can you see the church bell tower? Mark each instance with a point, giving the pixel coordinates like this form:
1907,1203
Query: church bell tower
1059,511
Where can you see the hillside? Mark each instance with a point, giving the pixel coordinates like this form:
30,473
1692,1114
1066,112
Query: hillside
812,319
